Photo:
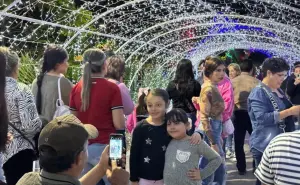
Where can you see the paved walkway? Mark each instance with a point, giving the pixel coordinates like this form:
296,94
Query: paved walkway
234,178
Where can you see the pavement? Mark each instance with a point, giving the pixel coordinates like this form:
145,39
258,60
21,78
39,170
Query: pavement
233,178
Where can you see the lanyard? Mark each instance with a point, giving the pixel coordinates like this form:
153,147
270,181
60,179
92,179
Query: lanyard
276,108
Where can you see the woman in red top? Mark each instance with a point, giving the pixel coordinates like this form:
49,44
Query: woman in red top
97,101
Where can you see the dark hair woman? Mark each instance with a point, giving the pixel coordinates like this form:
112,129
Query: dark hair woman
97,101
22,115
183,88
270,111
3,109
212,106
115,73
3,112
45,87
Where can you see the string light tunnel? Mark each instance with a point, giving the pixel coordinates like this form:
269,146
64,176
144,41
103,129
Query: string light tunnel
159,32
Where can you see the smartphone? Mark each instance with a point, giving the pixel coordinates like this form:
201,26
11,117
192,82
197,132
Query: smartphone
116,148
298,76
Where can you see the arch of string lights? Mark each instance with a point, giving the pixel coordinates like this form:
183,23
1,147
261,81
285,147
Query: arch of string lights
164,30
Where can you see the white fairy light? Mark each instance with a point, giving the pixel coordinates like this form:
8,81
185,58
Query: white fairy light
159,31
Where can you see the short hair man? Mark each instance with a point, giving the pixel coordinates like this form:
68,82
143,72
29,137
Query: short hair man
293,85
63,154
242,86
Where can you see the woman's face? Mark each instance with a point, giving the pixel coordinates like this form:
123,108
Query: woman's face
232,72
297,71
62,67
276,79
218,74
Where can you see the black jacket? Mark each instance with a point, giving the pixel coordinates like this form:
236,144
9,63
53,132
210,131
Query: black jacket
293,90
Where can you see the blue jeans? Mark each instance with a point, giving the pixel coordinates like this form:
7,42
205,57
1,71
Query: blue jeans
94,153
257,155
229,143
220,174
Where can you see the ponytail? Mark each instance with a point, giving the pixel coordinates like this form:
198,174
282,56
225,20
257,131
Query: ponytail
94,60
39,83
86,86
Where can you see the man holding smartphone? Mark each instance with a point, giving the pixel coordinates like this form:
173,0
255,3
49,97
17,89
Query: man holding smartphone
63,155
293,86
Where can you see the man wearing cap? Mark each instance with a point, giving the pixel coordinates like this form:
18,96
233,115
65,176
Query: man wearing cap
63,154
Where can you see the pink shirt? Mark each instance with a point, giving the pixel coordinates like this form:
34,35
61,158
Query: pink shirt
226,91
126,99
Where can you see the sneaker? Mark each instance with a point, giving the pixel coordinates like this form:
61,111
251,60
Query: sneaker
230,154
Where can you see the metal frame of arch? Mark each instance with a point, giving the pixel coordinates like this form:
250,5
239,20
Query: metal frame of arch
203,16
203,24
170,44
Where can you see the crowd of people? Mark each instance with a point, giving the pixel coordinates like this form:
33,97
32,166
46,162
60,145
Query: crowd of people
66,127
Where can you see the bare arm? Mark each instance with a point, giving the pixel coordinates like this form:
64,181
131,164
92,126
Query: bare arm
93,176
118,119
98,172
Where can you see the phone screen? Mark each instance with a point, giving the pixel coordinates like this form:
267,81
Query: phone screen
115,146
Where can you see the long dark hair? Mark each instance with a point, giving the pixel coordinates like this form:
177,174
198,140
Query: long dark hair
141,108
3,108
184,77
53,55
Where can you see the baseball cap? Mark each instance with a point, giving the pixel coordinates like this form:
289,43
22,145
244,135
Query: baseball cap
66,134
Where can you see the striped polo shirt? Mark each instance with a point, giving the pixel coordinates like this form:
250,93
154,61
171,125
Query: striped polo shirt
280,164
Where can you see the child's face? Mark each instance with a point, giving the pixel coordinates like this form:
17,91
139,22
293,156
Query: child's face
177,130
156,106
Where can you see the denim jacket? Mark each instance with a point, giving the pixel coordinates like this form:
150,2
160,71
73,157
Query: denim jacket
264,118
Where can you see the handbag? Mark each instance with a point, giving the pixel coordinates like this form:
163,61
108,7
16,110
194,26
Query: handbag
35,148
281,123
61,108
228,128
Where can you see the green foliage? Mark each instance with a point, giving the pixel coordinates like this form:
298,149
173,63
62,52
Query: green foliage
28,69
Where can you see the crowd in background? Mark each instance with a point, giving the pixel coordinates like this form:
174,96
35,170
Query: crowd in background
66,127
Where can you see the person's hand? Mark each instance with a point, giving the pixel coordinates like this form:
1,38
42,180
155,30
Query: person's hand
103,162
215,148
195,99
10,137
117,175
294,110
297,81
196,139
194,174
134,183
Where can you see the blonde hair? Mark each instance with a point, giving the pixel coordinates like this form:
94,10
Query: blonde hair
94,60
236,67
12,60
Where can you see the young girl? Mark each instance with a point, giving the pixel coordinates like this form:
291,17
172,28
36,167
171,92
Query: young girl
182,157
150,140
140,111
